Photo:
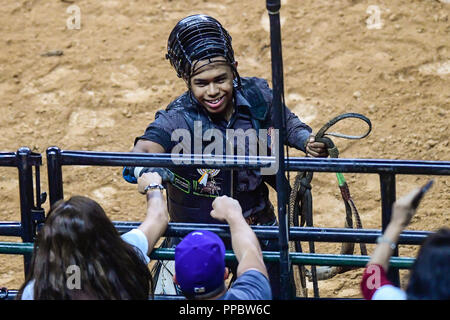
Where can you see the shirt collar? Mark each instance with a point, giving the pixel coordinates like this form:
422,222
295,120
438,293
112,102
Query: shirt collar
240,100
242,106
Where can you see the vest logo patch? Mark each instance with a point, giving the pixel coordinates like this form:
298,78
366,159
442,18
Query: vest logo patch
181,184
206,184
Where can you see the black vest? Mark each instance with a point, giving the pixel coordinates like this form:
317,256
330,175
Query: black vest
190,200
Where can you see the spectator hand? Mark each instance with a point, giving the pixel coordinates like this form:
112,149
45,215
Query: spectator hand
224,207
403,210
316,149
148,178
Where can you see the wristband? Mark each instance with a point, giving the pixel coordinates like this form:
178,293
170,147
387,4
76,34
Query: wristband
153,186
137,171
383,239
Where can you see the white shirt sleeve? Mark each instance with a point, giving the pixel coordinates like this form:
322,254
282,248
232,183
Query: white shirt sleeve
138,239
27,293
389,292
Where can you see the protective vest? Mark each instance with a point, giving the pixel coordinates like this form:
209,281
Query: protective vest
192,192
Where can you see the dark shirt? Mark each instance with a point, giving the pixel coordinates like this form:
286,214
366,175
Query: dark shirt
167,121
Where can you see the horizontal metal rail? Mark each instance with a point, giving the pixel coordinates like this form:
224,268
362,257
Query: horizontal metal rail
269,256
295,233
378,166
302,258
69,157
9,159
16,247
10,229
408,237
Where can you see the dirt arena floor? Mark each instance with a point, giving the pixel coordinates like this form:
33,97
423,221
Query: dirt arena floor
388,60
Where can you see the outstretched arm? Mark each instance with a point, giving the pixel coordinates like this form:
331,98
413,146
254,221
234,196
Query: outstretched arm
147,146
402,212
157,218
374,279
243,240
156,139
130,174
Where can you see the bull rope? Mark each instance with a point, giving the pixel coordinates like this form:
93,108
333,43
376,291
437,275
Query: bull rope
300,204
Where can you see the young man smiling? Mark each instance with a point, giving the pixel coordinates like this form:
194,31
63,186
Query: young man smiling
212,86
200,51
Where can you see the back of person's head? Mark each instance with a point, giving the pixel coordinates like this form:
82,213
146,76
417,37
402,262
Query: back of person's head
195,38
200,265
430,276
78,235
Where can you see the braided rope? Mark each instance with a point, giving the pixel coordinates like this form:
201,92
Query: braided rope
298,197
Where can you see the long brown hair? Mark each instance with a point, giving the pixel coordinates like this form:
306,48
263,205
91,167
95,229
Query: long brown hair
429,279
77,232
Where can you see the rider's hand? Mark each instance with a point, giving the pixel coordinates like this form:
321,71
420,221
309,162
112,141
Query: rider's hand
316,149
225,208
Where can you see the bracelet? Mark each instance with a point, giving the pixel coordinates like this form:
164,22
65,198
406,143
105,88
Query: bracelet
383,239
153,186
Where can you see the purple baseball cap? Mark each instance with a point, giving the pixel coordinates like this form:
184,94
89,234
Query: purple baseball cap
200,264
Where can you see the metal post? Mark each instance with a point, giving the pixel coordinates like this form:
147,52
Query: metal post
273,8
26,200
55,182
387,186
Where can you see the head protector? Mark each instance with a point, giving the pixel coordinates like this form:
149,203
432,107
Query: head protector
198,37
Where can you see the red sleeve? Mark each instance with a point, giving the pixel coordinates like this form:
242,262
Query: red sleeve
374,277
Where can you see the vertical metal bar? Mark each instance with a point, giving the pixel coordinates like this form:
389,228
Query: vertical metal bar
26,200
38,186
273,8
54,170
308,207
387,186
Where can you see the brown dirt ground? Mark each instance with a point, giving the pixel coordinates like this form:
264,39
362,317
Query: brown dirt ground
104,90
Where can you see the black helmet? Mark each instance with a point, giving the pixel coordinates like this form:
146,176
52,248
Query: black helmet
198,37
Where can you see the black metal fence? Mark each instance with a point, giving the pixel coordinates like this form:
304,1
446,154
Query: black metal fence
32,214
31,199
386,169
